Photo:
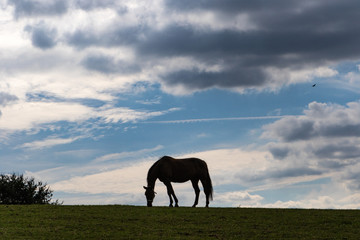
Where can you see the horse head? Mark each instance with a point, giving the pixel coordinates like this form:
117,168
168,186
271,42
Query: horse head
150,195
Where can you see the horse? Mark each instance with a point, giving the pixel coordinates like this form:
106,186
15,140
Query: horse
168,169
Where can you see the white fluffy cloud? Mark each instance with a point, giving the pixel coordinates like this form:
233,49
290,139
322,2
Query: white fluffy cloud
325,140
27,115
239,199
319,120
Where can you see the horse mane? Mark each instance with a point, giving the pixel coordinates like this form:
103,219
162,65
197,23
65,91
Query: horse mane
150,174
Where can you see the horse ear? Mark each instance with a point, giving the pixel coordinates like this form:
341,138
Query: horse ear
155,192
145,188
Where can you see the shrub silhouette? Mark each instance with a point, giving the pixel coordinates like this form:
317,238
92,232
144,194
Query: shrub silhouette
17,189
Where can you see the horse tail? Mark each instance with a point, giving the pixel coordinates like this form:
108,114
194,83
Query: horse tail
208,186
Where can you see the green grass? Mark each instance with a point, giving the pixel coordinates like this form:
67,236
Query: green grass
129,222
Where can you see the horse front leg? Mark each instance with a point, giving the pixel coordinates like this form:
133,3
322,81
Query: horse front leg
171,192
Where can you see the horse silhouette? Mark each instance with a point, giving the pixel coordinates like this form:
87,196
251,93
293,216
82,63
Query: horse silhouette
168,169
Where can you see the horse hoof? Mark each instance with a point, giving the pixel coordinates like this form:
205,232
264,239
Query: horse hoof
170,205
176,205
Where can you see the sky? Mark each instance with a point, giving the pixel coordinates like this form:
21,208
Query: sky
93,92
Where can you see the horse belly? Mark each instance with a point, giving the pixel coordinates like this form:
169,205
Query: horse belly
179,180
181,177
178,172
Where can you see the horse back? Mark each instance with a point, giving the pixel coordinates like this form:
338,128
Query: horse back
181,170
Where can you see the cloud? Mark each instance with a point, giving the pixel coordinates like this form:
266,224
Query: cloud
132,178
279,152
279,173
325,72
94,4
300,15
292,128
34,114
42,36
283,40
241,77
268,46
112,114
109,37
324,140
47,143
31,8
107,64
227,6
319,120
248,57
6,98
239,199
319,202
126,155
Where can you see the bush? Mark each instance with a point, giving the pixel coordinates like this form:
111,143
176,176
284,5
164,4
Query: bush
16,189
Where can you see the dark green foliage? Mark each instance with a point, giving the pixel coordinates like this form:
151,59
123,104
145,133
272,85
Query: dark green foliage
17,189
128,222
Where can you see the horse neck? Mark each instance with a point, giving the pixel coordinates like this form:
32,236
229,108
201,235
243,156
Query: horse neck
152,176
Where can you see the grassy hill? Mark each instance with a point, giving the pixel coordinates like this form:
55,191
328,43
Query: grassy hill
129,222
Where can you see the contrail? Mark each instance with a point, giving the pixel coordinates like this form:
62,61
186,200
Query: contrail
218,119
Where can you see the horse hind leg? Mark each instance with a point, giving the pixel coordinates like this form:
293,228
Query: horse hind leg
206,191
197,191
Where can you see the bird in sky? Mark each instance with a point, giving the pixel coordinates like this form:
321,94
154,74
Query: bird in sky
314,85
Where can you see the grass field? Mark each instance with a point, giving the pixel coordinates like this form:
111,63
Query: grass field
129,222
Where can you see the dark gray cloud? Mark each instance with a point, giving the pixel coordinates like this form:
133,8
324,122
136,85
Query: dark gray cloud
341,130
313,32
107,64
255,48
351,177
34,8
89,5
228,6
292,129
30,8
322,15
340,150
42,36
294,172
93,4
226,78
285,35
6,98
117,36
246,54
279,152
279,173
